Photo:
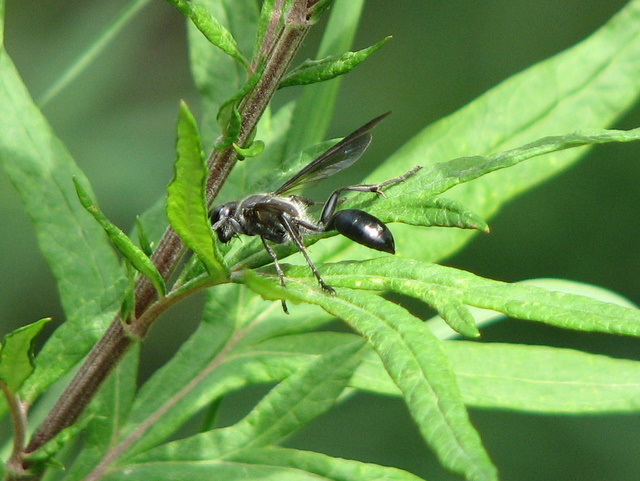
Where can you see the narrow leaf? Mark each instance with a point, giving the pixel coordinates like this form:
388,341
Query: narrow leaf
436,179
89,275
414,359
293,403
2,4
217,75
93,51
454,313
143,240
310,123
587,86
121,241
581,289
206,469
317,465
318,9
16,354
229,117
528,378
186,205
268,26
303,396
465,169
201,371
256,148
211,28
436,211
544,379
259,464
422,279
313,71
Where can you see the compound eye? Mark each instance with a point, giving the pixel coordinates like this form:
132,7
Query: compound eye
216,214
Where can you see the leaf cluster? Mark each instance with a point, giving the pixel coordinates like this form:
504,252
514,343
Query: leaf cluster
474,161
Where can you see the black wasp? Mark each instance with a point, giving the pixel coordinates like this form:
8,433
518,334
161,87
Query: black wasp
281,217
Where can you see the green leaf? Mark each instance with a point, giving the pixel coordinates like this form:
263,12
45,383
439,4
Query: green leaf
582,289
302,397
230,121
314,109
121,241
229,117
313,71
319,8
540,379
435,179
416,362
93,51
143,240
154,223
255,149
211,28
269,463
442,177
269,23
90,278
217,75
434,211
426,281
544,379
258,176
2,3
452,311
530,378
587,86
202,372
186,204
16,354
316,465
417,194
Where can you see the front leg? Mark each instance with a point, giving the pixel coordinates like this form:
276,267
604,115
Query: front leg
276,264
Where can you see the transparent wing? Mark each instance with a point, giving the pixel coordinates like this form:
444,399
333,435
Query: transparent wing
338,157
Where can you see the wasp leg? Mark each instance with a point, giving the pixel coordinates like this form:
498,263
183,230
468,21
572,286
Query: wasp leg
294,233
332,202
276,264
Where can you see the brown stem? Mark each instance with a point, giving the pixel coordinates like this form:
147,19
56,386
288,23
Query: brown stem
119,337
19,421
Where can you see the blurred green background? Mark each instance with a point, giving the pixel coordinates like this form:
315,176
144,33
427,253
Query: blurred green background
118,122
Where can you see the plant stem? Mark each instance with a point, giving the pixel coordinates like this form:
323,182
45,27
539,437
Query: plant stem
19,420
119,337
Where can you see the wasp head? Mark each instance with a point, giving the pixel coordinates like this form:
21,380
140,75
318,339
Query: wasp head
224,222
